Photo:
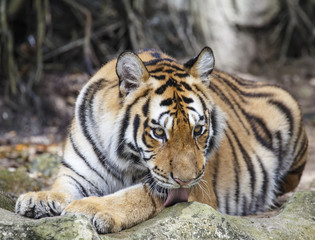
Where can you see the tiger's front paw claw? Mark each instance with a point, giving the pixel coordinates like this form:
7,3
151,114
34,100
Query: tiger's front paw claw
41,204
100,217
103,223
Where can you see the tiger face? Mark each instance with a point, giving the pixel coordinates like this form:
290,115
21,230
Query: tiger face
172,132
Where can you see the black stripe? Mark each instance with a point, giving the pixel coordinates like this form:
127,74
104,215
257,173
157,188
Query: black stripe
153,185
156,61
250,83
216,167
145,107
161,115
194,110
78,185
159,77
242,82
160,69
149,158
214,126
286,111
174,67
258,126
186,85
187,100
76,150
161,89
145,141
298,170
181,75
190,63
125,124
85,106
114,86
97,191
248,161
154,208
227,203
145,123
170,83
132,147
168,70
302,151
153,121
136,124
203,103
236,89
226,100
201,91
166,62
155,54
279,152
297,140
166,102
237,173
261,199
134,159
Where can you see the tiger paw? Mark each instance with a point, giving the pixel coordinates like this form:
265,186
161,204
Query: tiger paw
104,219
42,204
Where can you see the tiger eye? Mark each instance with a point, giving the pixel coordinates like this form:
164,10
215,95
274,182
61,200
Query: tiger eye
159,131
198,130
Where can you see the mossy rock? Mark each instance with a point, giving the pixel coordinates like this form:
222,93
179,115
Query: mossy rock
6,202
199,221
182,221
18,182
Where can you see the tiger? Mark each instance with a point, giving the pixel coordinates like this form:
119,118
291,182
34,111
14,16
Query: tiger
149,132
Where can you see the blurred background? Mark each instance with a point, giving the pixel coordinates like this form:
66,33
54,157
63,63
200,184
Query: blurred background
50,48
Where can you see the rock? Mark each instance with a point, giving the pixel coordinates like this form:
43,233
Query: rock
15,227
199,221
18,181
6,202
182,221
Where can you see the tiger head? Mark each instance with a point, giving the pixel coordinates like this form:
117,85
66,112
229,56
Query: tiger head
169,123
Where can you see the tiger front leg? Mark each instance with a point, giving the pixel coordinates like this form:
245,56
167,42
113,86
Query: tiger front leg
46,203
118,211
42,204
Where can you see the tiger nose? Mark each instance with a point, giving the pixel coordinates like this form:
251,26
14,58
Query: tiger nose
182,182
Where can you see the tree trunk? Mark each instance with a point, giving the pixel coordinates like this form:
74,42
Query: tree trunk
230,28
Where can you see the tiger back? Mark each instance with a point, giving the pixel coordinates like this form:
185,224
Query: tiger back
150,132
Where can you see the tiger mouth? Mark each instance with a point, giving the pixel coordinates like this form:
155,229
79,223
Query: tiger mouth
176,195
171,195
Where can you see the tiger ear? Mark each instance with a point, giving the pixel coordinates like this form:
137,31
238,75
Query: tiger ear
202,65
131,72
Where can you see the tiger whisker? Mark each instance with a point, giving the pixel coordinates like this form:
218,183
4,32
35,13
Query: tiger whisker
205,189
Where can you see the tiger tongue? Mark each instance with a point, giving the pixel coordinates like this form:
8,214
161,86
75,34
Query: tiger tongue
175,196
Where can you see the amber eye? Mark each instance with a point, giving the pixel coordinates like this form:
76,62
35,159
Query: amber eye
198,130
158,133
